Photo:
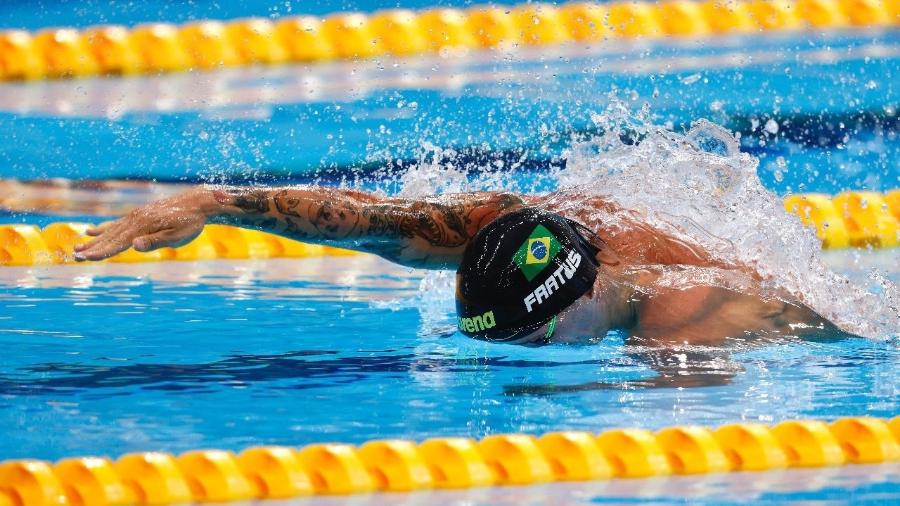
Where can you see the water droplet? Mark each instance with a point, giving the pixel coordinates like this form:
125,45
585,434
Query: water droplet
691,79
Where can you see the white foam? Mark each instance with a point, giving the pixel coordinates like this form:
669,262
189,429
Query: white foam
700,186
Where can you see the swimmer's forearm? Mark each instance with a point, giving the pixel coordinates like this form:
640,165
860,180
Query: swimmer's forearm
423,232
310,214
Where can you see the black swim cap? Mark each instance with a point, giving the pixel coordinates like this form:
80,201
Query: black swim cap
519,272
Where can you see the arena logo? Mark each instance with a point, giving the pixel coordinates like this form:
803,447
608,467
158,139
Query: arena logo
478,323
559,277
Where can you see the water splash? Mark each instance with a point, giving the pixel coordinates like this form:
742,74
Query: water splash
699,186
441,174
703,187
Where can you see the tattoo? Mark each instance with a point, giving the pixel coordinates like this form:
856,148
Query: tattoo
379,222
401,230
286,204
454,219
249,201
292,227
329,218
439,224
406,222
329,215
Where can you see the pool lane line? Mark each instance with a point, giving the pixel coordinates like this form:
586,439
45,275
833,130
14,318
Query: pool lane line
859,219
395,465
22,245
164,47
116,100
850,219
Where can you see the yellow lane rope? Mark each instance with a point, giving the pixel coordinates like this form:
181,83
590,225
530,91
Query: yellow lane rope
849,219
30,245
164,47
270,472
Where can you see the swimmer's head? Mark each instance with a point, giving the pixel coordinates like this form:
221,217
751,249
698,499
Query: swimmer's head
519,272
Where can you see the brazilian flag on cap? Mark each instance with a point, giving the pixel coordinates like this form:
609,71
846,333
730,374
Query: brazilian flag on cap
512,257
536,252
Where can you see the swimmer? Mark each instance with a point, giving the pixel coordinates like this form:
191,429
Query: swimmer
531,269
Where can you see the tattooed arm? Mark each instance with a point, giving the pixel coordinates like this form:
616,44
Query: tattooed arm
430,232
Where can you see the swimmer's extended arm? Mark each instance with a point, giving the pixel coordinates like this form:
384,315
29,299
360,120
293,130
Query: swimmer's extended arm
428,232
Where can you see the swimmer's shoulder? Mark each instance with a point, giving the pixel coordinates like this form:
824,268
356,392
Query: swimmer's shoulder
575,203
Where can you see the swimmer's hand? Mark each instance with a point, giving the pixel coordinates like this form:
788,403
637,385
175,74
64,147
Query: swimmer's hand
170,222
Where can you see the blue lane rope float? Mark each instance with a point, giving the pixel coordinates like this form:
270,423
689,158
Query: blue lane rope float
849,219
164,47
395,465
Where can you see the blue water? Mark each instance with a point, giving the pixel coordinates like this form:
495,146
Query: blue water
107,359
248,123
825,104
173,356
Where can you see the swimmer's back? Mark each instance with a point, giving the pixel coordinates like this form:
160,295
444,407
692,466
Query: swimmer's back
626,232
713,315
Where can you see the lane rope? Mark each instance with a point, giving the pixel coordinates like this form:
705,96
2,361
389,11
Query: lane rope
395,465
165,47
29,245
849,219
857,219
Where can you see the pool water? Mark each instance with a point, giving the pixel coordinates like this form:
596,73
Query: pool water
499,111
174,356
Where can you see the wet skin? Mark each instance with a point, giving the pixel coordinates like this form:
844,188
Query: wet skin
685,330
663,291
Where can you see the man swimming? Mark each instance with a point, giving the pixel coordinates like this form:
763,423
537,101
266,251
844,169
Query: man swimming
530,269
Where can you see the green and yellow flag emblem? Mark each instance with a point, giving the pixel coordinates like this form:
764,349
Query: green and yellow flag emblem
536,252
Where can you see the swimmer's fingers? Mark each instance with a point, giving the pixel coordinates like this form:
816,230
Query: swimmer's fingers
103,250
99,229
115,238
106,245
96,232
164,238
